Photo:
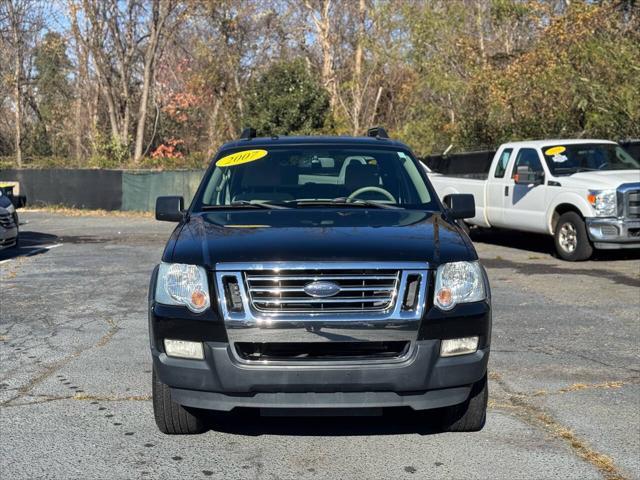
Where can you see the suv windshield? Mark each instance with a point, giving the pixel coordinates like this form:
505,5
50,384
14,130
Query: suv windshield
584,157
315,175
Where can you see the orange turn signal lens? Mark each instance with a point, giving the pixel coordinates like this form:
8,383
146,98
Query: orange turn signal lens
444,297
199,299
592,199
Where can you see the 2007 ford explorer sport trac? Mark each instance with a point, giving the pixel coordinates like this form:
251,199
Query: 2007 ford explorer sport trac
318,273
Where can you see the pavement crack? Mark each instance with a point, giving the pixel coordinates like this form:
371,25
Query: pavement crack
112,398
106,338
518,405
44,399
50,370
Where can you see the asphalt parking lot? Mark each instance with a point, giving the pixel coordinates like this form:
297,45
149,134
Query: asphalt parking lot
75,373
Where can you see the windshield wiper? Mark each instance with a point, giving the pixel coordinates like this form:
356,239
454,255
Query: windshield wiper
344,201
245,204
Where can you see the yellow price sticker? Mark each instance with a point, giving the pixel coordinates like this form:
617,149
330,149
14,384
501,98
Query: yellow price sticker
555,150
239,158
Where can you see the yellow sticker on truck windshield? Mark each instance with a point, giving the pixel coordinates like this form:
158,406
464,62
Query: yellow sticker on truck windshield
239,158
555,150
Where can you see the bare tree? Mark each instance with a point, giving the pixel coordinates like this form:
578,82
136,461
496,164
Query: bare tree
21,24
321,14
160,11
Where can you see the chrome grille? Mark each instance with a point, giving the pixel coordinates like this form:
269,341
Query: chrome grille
284,290
6,220
633,204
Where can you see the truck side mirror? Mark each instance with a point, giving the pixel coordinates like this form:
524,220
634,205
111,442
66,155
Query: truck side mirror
526,176
169,209
461,205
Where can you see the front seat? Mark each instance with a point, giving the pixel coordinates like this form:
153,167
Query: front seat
358,176
263,181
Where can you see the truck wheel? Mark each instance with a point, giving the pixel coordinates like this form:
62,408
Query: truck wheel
471,415
571,239
172,418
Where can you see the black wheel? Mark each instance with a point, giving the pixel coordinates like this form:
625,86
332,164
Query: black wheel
571,239
471,415
172,418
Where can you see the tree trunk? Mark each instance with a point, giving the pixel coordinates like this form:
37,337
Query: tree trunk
323,30
18,101
160,11
17,83
142,111
480,27
357,70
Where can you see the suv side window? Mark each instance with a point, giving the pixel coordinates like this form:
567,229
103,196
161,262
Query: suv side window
527,157
501,167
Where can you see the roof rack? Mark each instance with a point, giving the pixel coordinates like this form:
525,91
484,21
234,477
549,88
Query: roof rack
377,132
248,134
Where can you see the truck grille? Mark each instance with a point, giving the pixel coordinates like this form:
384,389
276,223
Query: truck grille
633,204
6,220
278,291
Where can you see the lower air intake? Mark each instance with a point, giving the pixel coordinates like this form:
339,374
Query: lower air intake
321,351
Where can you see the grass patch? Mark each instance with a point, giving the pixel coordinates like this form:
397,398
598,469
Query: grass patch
80,212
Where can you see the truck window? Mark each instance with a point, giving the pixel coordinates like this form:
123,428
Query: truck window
314,173
527,157
583,157
501,167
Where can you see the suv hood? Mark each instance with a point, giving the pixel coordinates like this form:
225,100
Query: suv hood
317,235
601,180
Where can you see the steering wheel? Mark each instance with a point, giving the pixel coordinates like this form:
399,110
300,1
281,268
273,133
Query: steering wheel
362,190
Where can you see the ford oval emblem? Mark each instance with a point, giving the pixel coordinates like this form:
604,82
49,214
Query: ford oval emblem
321,289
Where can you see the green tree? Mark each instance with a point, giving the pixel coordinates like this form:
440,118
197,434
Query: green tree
287,99
578,80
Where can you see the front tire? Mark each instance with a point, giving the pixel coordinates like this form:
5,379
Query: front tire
571,239
471,415
171,417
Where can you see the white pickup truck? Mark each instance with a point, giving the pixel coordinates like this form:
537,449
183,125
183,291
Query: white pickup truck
586,193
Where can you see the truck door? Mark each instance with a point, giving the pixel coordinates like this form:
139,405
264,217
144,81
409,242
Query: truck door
497,188
525,205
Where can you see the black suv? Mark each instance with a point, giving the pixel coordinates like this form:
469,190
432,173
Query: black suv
318,273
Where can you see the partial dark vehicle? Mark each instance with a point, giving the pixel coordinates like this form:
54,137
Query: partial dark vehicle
315,275
9,222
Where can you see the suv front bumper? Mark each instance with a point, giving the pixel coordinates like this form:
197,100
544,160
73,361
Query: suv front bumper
423,381
613,233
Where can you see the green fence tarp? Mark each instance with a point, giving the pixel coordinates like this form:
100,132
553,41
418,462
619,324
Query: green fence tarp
140,189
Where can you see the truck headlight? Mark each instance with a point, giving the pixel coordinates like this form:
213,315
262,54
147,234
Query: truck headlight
458,282
604,202
180,284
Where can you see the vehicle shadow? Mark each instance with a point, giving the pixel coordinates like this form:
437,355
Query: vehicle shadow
29,244
543,244
392,422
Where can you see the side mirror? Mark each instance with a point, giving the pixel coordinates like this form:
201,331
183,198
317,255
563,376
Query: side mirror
526,176
18,201
461,205
169,209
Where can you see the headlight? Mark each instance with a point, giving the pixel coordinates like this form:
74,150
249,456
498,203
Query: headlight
604,202
180,284
458,282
